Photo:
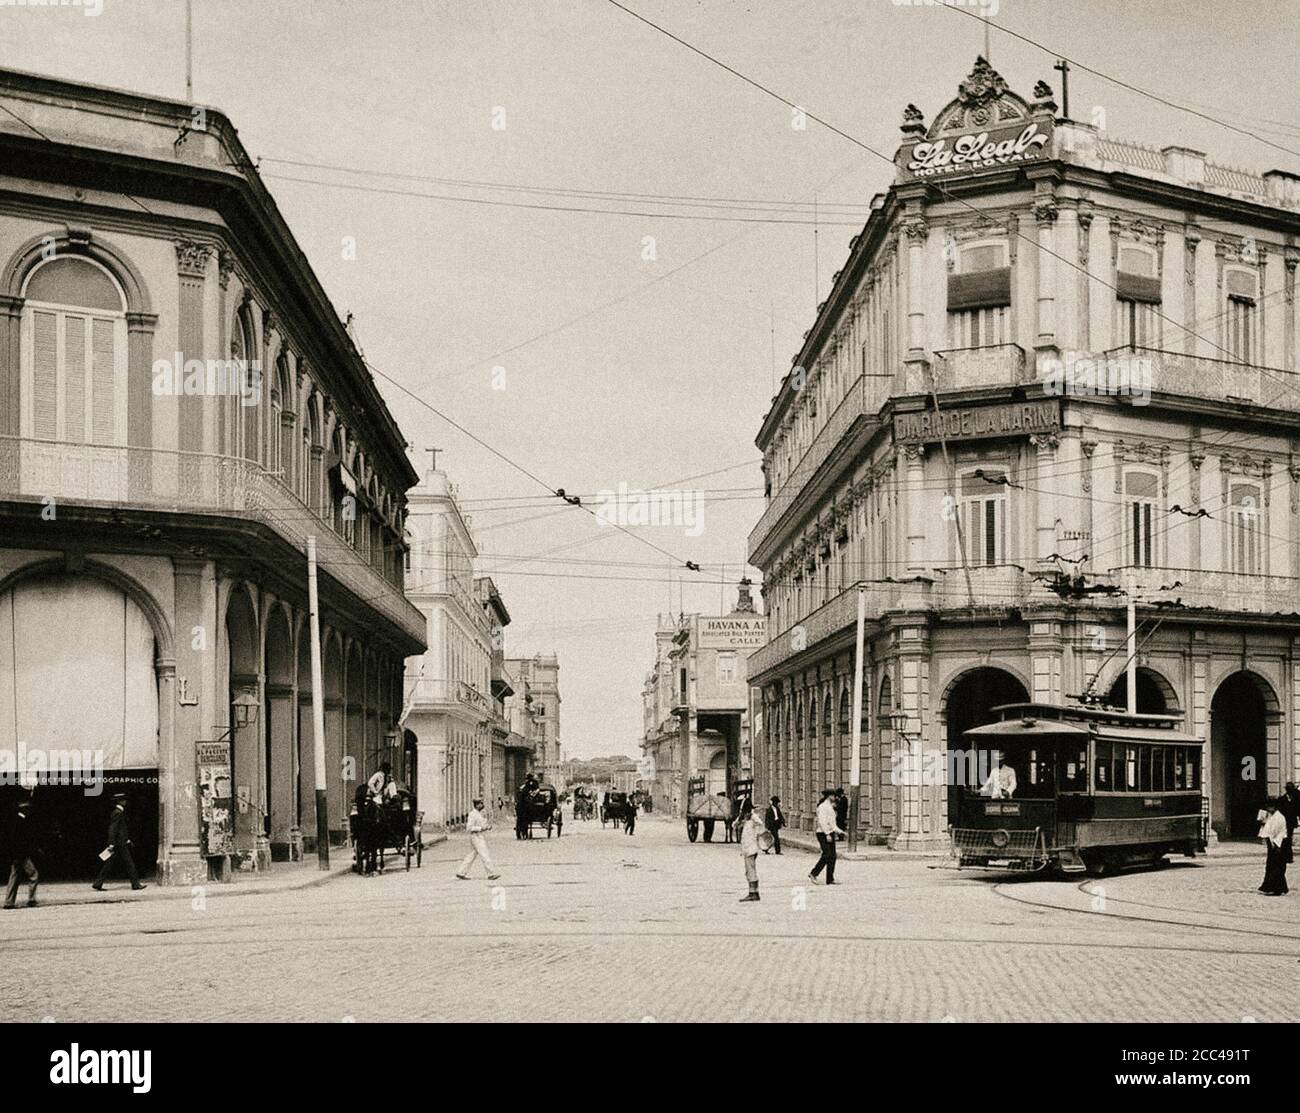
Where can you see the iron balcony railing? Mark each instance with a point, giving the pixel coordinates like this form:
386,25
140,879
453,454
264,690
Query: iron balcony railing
195,483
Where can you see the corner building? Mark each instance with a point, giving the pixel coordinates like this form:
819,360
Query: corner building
946,442
153,577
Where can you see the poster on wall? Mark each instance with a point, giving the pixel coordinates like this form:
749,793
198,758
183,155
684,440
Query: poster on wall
733,633
216,802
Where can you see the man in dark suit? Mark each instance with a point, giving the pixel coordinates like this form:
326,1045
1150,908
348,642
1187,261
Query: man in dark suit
119,843
841,812
774,820
22,854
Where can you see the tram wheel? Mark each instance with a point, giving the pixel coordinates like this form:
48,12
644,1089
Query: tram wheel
1099,866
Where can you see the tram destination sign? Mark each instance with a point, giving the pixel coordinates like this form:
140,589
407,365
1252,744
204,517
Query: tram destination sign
973,423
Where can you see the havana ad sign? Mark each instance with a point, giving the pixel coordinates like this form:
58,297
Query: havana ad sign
733,632
978,150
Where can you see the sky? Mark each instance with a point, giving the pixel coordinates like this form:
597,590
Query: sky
594,349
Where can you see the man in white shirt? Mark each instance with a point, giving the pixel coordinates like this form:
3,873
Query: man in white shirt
1274,835
827,829
475,826
1001,783
381,784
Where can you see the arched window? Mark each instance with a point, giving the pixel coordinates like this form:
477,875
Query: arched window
74,354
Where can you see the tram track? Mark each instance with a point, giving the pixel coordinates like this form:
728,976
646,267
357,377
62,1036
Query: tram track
1001,889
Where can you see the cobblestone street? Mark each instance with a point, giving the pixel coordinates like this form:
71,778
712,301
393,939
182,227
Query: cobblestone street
601,926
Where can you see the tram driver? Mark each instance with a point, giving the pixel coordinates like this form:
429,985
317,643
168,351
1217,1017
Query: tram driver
1001,782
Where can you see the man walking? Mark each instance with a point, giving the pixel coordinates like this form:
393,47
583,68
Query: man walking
827,829
841,812
119,847
773,821
475,826
629,820
22,855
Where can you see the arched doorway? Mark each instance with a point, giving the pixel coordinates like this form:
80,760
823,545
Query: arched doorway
969,703
80,712
1243,711
1155,695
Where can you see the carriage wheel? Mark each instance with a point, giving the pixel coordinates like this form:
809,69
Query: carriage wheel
708,830
692,828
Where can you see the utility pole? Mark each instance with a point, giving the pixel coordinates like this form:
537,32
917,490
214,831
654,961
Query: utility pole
855,759
1131,646
1063,67
317,713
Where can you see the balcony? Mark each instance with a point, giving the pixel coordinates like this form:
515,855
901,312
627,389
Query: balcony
860,399
196,483
438,694
995,365
1228,592
1216,379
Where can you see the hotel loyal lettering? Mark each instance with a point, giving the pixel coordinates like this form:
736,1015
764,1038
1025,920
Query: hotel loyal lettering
930,448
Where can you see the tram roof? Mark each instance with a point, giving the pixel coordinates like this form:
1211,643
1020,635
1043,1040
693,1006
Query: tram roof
1091,714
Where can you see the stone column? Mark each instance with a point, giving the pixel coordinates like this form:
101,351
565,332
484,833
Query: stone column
1047,508
914,502
1045,212
921,822
195,712
916,229
191,266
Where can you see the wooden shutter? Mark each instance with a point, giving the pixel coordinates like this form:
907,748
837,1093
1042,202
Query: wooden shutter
103,383
74,378
45,374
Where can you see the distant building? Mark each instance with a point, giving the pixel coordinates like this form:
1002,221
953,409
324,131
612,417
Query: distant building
511,754
541,674
451,712
696,703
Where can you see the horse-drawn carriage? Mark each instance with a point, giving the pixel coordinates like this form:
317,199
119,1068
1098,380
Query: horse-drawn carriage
382,823
584,803
539,807
616,809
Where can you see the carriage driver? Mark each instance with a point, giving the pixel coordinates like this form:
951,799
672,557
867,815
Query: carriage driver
382,786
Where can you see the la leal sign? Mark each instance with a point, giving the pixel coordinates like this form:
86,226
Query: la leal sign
979,150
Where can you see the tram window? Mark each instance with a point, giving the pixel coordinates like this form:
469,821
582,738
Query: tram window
1144,756
1130,781
1193,769
1167,761
1074,770
1179,780
1102,767
1041,771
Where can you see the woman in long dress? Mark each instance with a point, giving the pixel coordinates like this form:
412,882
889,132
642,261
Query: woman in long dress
1274,835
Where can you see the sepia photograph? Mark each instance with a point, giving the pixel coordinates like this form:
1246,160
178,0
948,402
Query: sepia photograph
505,504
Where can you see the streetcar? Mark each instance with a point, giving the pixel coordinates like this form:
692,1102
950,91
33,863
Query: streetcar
1076,789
